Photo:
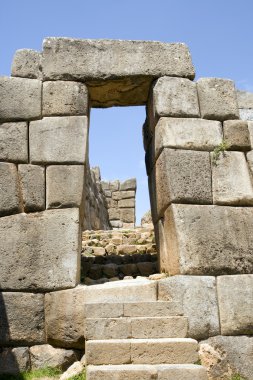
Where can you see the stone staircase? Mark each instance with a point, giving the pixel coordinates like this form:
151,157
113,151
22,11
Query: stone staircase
135,337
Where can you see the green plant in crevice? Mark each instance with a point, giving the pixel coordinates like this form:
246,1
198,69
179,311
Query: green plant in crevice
237,377
218,150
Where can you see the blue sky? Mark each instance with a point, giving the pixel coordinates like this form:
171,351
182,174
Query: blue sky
219,34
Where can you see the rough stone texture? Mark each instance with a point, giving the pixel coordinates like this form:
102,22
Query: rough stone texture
129,184
45,259
138,290
246,114
236,134
182,176
122,372
127,203
47,356
235,296
108,328
181,372
20,99
21,318
217,99
65,186
225,356
64,98
52,140
10,200
32,182
250,160
103,310
127,215
125,70
245,99
13,142
197,296
176,97
231,181
194,134
27,64
227,250
113,351
250,126
146,220
74,370
159,327
14,360
64,317
153,309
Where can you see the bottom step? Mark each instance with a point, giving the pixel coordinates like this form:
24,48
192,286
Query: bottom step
147,372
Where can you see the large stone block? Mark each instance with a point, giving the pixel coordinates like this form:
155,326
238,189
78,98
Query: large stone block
127,203
122,372
194,134
217,99
125,70
127,215
113,351
59,140
235,296
236,134
32,181
21,319
231,181
10,200
176,97
65,316
27,64
159,327
129,184
14,360
108,328
20,99
64,98
181,372
246,114
14,142
182,176
46,258
211,240
245,99
250,126
198,299
227,356
65,186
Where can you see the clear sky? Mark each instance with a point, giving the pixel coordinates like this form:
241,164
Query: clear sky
219,34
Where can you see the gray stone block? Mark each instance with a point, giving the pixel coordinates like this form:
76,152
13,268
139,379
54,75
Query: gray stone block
27,64
198,299
236,134
65,186
231,180
14,360
21,319
65,317
14,142
174,97
182,176
129,184
208,240
122,372
250,126
245,99
127,215
20,99
59,140
64,98
246,114
117,195
32,182
130,203
217,99
108,328
10,199
45,259
181,372
235,296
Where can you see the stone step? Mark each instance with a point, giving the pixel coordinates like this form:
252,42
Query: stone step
137,328
146,372
142,351
133,309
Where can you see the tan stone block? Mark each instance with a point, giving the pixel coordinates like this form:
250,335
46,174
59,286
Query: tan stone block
245,99
103,310
236,135
32,181
152,309
250,127
159,327
127,203
181,372
27,64
127,215
14,142
113,351
117,195
126,249
129,184
122,372
10,197
114,213
108,328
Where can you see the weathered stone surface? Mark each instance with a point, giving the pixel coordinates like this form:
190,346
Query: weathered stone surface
246,114
21,318
114,213
231,180
236,304
182,176
52,140
45,259
27,64
245,99
217,99
122,372
194,134
127,215
181,372
118,195
152,309
236,134
65,186
32,182
138,290
10,200
108,328
146,220
126,68
228,248
159,327
176,97
20,99
74,370
250,126
191,292
127,203
64,317
250,160
129,184
47,356
13,142
225,356
113,351
64,98
103,310
14,360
